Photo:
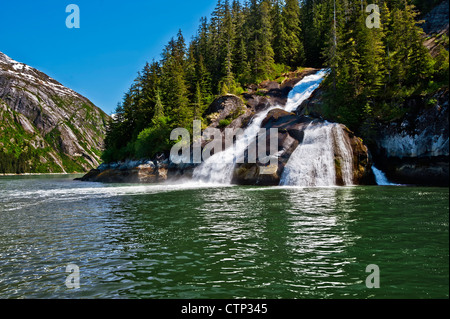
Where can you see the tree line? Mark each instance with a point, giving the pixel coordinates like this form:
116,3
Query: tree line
375,71
241,43
12,164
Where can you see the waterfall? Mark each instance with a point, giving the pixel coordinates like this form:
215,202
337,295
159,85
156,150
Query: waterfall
303,90
380,177
219,168
314,162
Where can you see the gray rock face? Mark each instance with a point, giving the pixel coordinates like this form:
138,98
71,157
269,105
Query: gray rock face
415,150
64,128
436,21
436,28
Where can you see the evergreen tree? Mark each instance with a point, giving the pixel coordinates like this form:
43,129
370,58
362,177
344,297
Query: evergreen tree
173,84
261,55
217,45
293,52
240,59
229,38
198,103
280,37
159,108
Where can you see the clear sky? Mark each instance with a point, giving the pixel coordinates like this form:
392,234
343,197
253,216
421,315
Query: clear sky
101,59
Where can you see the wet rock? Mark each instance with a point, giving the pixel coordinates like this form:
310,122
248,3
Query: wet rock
415,149
291,134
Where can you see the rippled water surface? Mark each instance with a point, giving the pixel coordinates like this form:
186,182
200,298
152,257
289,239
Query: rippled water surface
204,241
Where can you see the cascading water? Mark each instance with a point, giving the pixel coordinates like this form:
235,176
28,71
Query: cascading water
303,90
315,161
380,177
218,169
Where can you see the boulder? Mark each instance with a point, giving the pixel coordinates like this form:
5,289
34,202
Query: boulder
291,129
228,106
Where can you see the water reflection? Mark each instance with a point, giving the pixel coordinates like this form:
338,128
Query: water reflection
290,237
319,236
166,241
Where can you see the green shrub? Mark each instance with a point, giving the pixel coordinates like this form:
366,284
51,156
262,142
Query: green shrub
224,123
153,140
278,70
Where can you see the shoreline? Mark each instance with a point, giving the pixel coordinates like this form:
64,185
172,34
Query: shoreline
40,174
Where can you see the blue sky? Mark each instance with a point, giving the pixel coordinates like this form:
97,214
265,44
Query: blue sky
101,59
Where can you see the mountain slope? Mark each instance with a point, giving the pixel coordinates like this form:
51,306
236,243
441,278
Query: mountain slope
44,126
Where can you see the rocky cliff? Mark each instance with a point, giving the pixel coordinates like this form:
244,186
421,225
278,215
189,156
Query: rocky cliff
415,148
46,126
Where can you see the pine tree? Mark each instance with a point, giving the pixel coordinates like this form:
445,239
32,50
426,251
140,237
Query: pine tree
371,52
229,37
410,61
159,108
261,55
190,68
198,103
280,36
204,81
240,59
267,54
173,82
293,53
217,44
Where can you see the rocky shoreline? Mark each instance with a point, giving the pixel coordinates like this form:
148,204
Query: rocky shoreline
141,171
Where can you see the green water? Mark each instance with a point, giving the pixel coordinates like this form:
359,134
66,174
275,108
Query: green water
200,241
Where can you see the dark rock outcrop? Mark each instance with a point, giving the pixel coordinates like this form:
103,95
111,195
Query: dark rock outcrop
224,107
415,149
143,171
271,93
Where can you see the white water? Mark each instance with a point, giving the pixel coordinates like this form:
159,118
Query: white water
380,177
303,90
219,167
312,164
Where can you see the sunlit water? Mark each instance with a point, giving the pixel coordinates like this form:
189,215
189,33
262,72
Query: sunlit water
203,241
